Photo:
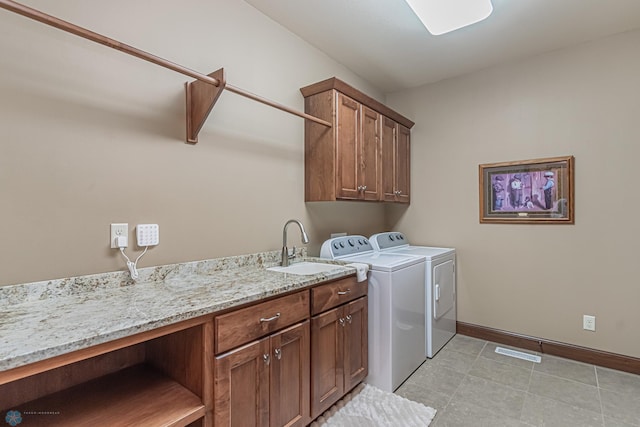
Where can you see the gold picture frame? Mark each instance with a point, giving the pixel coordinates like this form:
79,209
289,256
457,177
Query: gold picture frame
527,191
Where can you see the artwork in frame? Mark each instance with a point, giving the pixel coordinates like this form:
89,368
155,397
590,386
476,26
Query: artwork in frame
528,191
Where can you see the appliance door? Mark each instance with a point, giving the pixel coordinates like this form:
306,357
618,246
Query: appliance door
443,306
444,289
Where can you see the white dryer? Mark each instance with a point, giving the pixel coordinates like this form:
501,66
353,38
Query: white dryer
396,312
440,285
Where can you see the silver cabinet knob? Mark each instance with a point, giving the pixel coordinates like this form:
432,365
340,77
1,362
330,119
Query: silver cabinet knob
278,353
349,318
341,321
266,358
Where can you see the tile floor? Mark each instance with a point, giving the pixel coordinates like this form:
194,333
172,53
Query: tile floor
472,386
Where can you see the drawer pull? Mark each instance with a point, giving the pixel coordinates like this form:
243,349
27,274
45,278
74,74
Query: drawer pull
344,292
270,319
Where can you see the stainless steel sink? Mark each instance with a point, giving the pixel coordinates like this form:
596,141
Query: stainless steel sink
307,268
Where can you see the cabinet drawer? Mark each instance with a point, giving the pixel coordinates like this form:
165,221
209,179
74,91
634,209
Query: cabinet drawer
335,293
244,325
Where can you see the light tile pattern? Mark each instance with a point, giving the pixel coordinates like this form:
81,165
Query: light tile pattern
471,385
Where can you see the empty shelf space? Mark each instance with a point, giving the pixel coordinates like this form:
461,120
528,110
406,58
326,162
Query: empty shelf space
136,396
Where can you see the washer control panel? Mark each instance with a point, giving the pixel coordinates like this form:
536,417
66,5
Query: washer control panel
391,239
339,247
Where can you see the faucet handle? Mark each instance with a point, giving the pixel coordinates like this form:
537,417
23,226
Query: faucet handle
293,253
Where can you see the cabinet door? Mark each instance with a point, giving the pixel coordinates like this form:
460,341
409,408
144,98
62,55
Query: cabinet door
347,148
388,149
403,164
241,387
290,384
327,360
355,343
396,167
370,154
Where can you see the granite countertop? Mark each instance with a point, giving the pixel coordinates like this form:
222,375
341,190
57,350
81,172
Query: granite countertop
46,319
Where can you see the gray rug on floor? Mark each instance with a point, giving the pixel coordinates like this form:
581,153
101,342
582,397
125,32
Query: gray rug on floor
371,407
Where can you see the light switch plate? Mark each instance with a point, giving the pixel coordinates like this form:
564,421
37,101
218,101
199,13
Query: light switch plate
148,234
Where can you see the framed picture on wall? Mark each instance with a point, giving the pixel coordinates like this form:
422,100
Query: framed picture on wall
527,191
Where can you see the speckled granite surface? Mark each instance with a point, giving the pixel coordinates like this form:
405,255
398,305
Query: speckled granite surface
45,319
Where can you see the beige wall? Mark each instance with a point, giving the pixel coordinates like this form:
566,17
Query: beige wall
90,136
536,279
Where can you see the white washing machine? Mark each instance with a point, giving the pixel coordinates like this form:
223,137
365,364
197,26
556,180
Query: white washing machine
396,312
440,285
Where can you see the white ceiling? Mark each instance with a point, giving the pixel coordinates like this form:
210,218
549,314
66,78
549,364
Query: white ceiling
385,43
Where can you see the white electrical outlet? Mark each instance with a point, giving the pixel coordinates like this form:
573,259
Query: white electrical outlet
148,234
589,322
118,230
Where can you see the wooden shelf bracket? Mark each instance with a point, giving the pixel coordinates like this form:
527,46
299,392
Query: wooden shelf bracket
201,97
201,94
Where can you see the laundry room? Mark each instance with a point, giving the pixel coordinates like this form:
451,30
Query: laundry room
97,130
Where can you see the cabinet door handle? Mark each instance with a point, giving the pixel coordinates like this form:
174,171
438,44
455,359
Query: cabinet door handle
398,192
266,358
349,318
270,319
364,188
341,321
278,353
344,292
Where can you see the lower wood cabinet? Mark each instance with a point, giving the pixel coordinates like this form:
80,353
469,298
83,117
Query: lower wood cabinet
339,353
266,382
269,364
158,378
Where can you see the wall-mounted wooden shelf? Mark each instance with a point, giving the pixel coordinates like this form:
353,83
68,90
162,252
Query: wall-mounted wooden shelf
201,94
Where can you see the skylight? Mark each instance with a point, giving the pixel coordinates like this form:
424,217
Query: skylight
443,16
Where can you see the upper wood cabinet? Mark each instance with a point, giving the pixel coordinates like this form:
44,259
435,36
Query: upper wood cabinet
396,161
364,156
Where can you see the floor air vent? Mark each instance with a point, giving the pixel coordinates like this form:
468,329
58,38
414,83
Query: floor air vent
519,354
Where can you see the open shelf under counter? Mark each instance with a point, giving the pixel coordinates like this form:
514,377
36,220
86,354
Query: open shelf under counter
135,396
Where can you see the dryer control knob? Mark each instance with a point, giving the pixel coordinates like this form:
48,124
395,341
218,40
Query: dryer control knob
342,244
391,237
335,245
351,242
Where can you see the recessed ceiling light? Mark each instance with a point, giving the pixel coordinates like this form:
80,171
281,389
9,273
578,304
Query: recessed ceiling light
443,16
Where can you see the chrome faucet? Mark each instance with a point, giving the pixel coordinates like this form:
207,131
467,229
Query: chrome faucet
285,252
